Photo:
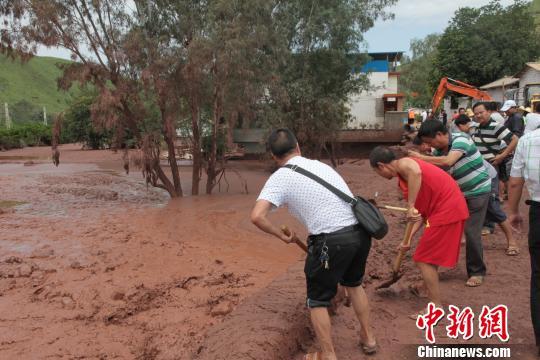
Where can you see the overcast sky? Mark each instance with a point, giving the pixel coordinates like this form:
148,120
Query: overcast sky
416,19
413,19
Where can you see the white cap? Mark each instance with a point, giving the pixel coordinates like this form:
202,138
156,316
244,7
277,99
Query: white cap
508,104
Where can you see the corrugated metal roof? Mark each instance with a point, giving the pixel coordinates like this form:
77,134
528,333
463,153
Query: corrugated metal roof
375,66
534,65
505,81
388,56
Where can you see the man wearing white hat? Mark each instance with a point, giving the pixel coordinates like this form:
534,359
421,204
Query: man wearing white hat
514,122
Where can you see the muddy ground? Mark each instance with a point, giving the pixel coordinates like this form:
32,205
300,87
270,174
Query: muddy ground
93,264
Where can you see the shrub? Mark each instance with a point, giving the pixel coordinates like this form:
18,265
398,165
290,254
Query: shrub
21,135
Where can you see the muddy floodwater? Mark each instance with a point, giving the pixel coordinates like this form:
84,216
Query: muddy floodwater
94,264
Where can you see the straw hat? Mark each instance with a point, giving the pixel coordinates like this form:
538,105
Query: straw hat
469,112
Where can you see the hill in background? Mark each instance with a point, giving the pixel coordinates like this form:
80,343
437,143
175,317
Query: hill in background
28,87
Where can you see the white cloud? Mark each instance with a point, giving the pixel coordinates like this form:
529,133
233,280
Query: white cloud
433,11
416,19
54,52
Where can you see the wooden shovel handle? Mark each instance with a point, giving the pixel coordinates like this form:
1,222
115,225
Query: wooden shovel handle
406,241
296,240
388,207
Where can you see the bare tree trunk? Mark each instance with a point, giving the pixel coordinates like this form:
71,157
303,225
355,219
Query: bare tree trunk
152,171
196,150
169,133
231,123
167,184
56,132
333,156
330,154
212,159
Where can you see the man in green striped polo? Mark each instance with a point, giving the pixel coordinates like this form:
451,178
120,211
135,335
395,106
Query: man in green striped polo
457,153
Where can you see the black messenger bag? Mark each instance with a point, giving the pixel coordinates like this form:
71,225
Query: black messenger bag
368,215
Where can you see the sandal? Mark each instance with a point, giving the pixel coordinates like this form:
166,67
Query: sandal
475,281
313,356
512,251
369,349
487,231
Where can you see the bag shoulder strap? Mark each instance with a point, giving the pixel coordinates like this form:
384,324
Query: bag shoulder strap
350,200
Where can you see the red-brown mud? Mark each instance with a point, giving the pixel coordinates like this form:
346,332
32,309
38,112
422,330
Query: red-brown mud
95,265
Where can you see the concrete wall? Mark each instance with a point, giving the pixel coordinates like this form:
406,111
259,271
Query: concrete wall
363,112
253,140
367,108
529,76
392,84
497,94
390,130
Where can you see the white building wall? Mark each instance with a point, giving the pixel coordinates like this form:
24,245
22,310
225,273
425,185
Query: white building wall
367,110
529,77
497,94
392,86
363,113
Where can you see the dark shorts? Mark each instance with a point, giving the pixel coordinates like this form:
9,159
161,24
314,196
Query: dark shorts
494,211
503,169
348,251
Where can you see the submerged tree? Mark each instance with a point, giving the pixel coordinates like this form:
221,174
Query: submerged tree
202,66
98,33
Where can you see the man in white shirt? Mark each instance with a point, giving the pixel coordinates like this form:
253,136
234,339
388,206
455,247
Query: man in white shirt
338,246
532,120
424,115
495,114
526,170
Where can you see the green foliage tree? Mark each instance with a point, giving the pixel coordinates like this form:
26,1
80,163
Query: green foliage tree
322,42
417,70
79,127
486,43
26,134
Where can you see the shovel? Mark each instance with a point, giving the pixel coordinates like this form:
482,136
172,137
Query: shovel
396,275
295,239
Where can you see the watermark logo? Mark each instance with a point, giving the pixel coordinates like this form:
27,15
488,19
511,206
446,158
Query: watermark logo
494,322
428,321
491,322
461,323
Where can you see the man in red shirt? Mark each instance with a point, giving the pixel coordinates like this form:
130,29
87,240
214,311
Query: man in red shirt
435,195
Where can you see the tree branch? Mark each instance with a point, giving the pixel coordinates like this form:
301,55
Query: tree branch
88,34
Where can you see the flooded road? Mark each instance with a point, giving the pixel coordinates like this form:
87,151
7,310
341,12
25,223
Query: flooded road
94,264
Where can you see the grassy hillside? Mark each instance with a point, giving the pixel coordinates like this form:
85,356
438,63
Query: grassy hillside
30,86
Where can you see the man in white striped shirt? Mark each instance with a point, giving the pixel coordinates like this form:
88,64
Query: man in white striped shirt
526,170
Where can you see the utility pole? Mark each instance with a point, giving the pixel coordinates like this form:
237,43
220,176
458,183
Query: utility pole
8,119
44,115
